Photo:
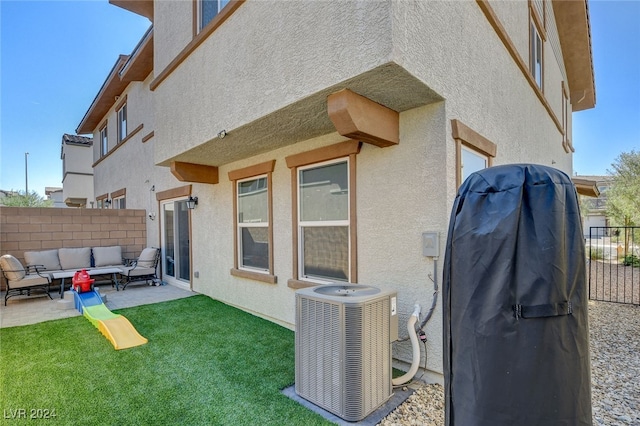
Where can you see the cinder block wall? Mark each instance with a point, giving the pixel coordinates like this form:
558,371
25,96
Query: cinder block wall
32,229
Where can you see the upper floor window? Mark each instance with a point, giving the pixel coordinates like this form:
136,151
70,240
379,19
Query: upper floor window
566,120
208,9
536,63
122,123
104,141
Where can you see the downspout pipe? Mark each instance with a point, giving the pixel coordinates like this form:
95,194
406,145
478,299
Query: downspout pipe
415,362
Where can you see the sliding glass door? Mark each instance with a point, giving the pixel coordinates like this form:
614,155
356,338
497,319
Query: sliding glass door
176,260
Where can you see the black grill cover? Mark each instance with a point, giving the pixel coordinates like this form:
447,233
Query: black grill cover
516,337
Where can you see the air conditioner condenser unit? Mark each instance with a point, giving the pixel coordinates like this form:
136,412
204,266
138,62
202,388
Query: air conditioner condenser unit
343,347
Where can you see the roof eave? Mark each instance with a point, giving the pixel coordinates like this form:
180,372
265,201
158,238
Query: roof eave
140,7
572,19
140,62
104,100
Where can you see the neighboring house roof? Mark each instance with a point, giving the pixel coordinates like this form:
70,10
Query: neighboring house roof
128,68
48,190
74,140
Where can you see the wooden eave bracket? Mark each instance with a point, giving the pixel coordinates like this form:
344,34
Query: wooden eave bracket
360,118
586,187
190,172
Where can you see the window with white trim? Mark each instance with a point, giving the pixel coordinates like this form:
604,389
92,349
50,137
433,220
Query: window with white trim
471,161
122,123
536,54
253,224
104,141
324,221
207,10
119,203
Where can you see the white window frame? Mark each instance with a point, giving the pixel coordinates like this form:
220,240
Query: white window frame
241,225
474,152
537,54
221,4
104,141
334,223
119,203
122,122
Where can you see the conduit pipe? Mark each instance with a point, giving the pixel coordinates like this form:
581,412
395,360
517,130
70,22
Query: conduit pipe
415,362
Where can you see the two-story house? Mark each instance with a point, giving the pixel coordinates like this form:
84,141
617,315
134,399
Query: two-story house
322,139
77,171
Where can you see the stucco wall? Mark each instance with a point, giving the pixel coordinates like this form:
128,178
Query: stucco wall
172,29
131,165
266,56
399,196
77,180
269,55
491,96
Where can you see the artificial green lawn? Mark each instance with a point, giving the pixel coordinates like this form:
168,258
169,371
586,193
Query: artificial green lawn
205,363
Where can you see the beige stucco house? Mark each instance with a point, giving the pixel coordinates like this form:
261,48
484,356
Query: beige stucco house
77,171
322,139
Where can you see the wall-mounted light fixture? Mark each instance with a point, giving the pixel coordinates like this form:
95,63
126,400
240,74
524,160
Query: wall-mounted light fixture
192,202
222,134
107,202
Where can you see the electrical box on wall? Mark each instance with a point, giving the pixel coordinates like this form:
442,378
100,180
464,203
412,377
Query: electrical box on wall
430,244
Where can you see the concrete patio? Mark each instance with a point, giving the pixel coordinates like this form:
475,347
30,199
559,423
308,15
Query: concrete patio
24,310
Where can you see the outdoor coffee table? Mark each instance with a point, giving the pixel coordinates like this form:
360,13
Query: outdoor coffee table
63,275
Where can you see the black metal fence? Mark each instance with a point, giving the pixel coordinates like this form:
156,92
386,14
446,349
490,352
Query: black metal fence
613,264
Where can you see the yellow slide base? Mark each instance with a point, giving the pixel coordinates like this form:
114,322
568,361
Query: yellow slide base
121,333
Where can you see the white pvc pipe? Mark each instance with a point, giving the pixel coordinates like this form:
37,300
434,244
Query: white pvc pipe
415,362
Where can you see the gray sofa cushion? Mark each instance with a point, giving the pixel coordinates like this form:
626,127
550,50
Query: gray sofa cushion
107,256
47,258
75,258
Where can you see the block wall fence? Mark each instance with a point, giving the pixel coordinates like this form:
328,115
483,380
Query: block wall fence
34,228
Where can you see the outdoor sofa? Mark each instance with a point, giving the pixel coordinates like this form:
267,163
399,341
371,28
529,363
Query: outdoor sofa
61,264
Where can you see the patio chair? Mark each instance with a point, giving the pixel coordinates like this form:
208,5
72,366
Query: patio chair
20,280
142,269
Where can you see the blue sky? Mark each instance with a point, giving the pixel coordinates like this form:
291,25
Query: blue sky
55,55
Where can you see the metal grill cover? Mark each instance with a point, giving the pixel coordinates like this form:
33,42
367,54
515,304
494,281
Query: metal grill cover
516,339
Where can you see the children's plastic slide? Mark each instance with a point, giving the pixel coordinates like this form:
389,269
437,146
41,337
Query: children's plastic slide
114,327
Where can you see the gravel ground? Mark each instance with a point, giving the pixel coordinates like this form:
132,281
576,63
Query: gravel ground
614,331
613,282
